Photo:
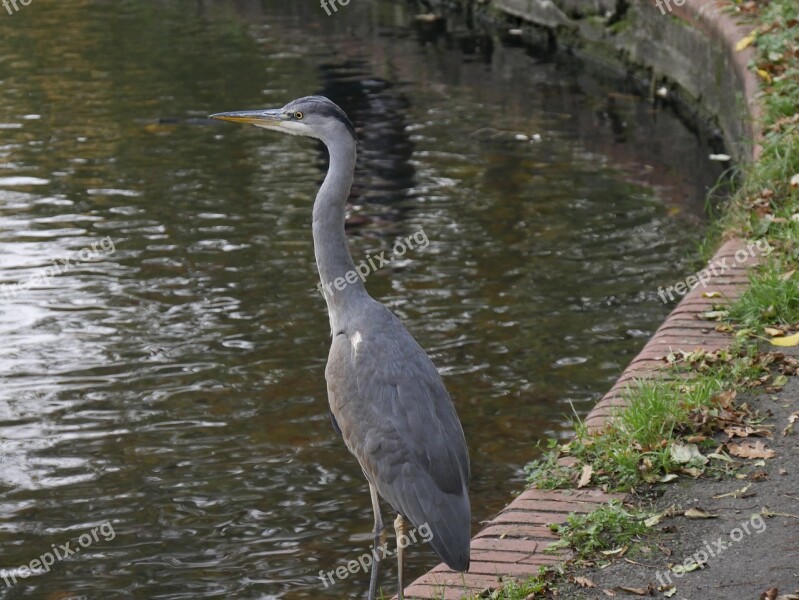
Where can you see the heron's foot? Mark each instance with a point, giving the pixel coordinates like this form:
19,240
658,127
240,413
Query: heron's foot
383,538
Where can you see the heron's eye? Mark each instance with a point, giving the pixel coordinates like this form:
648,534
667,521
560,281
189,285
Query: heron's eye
298,115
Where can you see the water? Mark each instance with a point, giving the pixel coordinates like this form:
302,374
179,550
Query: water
170,380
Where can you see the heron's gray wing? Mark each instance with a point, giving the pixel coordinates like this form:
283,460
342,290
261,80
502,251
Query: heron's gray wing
396,417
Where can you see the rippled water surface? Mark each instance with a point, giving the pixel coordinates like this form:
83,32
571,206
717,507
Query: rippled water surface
170,378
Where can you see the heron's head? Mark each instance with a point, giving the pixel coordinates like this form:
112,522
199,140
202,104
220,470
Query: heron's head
312,116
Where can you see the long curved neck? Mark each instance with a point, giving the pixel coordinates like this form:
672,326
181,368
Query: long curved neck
339,283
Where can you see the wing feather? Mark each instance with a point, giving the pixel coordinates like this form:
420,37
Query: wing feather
396,417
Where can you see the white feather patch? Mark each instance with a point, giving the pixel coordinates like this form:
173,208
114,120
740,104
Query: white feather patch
355,340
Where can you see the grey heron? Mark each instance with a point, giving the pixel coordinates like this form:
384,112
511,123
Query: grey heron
387,400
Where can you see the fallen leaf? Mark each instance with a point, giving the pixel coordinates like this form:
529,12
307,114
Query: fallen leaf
790,340
692,471
724,399
783,471
670,592
585,477
686,453
769,594
584,582
698,513
720,456
741,493
774,332
617,552
632,590
610,593
795,180
745,42
746,431
668,477
780,380
792,418
750,449
714,315
653,520
683,569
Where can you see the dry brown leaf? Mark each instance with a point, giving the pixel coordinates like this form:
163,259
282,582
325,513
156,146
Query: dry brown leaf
746,431
585,477
616,552
610,593
698,513
751,449
724,399
584,582
769,594
692,471
792,418
636,591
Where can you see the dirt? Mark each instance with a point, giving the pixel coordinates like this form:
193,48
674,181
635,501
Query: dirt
744,552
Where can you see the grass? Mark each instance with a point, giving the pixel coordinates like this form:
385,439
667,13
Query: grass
767,204
771,299
638,444
610,528
533,587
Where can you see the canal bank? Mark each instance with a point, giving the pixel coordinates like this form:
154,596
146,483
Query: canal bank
698,56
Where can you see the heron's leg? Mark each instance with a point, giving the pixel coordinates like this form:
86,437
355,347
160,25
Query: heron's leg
378,552
399,530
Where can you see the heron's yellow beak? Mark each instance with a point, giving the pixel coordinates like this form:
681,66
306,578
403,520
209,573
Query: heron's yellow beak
262,118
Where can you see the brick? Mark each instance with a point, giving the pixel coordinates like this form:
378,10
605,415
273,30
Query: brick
583,495
517,531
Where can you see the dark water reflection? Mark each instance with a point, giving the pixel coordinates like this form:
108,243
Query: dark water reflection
175,386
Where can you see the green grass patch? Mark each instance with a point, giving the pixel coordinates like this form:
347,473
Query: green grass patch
611,528
771,299
533,587
646,441
767,203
